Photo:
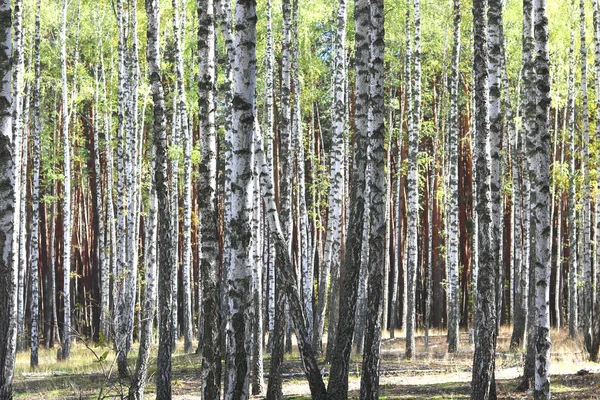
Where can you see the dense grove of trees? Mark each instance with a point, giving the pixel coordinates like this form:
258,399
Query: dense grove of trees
249,176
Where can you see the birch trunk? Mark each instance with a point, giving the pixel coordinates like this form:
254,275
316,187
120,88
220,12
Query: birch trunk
331,262
596,313
270,61
413,187
274,389
207,186
241,202
495,38
17,131
178,16
369,385
529,78
138,381
483,383
165,277
540,160
35,198
287,273
338,379
453,266
66,345
586,257
8,270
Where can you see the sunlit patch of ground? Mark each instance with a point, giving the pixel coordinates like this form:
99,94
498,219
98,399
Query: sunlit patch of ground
433,374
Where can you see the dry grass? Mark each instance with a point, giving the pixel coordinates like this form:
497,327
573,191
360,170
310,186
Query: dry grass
433,374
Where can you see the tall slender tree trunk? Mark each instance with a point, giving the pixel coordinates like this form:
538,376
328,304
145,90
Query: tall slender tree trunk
529,117
165,275
178,16
138,381
207,187
540,161
19,139
413,188
274,388
338,380
453,266
495,37
586,257
239,190
369,385
483,382
66,207
8,270
330,267
286,269
596,312
35,198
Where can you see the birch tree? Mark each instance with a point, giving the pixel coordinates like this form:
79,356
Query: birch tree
571,200
207,186
138,381
35,197
413,186
482,384
20,162
378,204
240,200
66,345
338,379
8,270
184,131
495,38
453,267
165,276
540,160
586,256
330,267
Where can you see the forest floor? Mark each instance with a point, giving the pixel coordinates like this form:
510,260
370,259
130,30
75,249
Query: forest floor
433,374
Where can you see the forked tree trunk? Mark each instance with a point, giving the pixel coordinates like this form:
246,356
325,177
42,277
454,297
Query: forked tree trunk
338,379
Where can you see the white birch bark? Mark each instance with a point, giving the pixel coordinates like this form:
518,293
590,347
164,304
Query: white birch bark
207,186
331,262
453,267
483,383
586,256
35,198
540,161
239,191
8,172
413,186
165,277
369,387
66,345
18,134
